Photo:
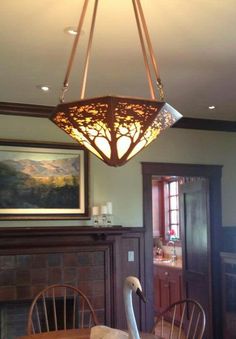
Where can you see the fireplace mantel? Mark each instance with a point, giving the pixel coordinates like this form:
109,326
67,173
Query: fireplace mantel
65,230
93,258
29,237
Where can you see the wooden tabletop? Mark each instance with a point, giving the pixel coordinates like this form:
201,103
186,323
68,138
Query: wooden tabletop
83,333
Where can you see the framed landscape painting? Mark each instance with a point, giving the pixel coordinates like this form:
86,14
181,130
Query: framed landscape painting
43,181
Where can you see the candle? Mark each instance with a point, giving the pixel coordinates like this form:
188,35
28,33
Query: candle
95,210
109,207
104,209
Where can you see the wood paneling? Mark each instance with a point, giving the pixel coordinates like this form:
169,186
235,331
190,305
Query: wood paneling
95,259
228,277
228,243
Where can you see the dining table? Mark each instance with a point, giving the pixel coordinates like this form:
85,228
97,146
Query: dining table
83,333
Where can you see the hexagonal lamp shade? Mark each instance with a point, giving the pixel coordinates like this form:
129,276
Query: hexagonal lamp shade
114,128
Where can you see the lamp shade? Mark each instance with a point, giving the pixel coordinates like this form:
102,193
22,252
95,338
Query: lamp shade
114,128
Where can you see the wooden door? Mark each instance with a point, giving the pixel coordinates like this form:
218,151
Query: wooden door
194,218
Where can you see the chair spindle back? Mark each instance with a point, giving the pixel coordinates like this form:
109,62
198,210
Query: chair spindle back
60,307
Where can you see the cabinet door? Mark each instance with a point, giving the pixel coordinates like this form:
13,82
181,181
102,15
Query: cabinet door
175,289
167,282
161,289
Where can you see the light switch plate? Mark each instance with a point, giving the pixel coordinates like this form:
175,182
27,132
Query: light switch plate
130,255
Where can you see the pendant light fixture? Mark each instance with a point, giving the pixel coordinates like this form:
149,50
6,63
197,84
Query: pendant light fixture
111,127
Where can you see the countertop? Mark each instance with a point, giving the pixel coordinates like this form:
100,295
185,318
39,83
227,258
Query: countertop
167,263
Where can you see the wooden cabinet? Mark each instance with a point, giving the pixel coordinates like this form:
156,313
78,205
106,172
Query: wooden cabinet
228,270
167,286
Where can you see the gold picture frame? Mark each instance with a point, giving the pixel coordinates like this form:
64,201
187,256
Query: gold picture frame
43,180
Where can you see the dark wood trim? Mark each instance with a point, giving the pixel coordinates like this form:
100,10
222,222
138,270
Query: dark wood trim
34,143
29,110
64,230
171,169
148,250
41,111
206,124
213,173
65,236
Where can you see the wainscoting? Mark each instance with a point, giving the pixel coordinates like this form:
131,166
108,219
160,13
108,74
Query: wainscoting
229,239
94,259
228,281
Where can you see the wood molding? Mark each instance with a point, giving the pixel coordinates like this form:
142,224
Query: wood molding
28,110
206,124
181,169
41,111
31,236
65,230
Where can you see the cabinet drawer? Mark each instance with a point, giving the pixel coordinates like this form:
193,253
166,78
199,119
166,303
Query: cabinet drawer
163,273
167,272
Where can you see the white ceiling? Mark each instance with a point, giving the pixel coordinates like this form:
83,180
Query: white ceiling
194,42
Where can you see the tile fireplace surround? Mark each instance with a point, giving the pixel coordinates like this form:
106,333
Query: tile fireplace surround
23,276
95,260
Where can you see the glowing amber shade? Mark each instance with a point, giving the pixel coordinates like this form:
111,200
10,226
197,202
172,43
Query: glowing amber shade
115,128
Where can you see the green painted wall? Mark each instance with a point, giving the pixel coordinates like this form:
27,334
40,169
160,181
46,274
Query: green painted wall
123,186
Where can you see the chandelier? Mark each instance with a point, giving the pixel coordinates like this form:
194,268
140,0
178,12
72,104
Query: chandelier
115,128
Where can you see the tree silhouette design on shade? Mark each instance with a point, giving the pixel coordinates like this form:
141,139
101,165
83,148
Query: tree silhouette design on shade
114,128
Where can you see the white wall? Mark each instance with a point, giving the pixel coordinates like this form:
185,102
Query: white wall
123,186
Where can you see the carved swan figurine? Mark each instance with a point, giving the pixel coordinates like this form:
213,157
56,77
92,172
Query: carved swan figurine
131,284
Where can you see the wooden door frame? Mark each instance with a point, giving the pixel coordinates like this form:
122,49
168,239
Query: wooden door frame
213,174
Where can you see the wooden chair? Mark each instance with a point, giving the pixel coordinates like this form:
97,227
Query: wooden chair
60,307
184,319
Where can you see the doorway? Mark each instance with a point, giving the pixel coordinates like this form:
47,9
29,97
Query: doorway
213,174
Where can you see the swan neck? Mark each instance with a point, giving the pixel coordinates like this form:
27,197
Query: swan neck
130,317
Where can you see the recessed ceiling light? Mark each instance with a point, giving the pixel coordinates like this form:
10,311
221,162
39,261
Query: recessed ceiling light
44,88
72,30
211,107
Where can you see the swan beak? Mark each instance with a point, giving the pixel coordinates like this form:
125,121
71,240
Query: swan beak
141,295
